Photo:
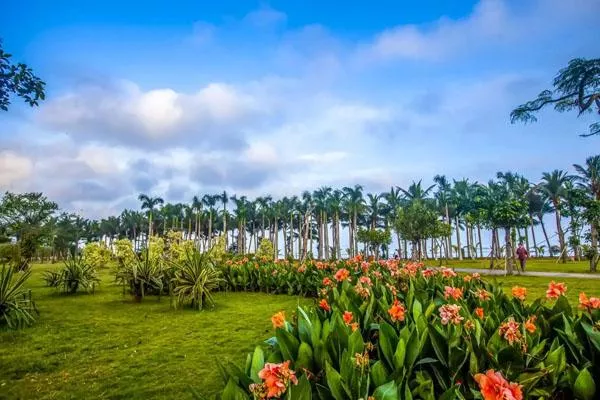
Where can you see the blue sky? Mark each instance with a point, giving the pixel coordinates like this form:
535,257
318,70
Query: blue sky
278,97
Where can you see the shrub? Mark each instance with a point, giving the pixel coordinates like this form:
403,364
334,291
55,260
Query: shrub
10,253
77,274
144,276
16,307
195,279
265,249
52,278
124,251
96,254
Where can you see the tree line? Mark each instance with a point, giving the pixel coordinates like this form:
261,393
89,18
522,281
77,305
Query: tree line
444,220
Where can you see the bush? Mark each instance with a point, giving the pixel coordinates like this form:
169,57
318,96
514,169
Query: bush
144,276
124,251
77,274
265,250
16,307
10,253
52,278
195,279
96,254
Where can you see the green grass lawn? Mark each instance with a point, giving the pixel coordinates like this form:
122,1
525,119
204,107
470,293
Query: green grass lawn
537,286
533,264
105,346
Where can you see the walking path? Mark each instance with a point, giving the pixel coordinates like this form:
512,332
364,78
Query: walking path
502,272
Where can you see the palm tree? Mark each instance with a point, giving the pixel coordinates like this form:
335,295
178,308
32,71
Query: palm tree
224,198
354,204
150,204
308,206
197,208
335,207
443,198
210,201
394,202
589,179
553,187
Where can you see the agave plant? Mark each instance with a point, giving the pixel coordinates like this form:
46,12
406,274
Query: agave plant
143,275
16,307
77,274
195,279
52,278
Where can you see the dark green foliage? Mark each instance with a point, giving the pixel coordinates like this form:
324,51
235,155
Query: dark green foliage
144,276
20,80
10,253
16,307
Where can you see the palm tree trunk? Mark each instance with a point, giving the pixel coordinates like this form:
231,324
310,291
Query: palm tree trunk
326,234
561,234
338,244
449,239
350,237
276,239
509,252
460,257
533,235
479,239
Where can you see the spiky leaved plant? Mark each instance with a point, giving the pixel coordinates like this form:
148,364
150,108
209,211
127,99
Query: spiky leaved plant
195,279
16,307
144,275
78,274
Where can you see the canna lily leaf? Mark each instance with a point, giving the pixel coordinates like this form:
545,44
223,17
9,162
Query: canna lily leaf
258,362
388,340
439,345
301,391
388,391
379,373
334,381
584,387
400,354
233,392
288,344
305,357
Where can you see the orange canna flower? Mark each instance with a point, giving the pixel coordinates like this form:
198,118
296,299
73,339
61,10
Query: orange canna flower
324,305
348,317
469,325
467,278
397,311
450,313
493,386
588,304
519,292
483,294
448,273
510,331
555,290
342,274
479,312
354,326
327,281
278,320
455,293
530,324
276,379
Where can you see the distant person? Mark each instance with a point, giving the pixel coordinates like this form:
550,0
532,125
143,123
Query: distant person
522,254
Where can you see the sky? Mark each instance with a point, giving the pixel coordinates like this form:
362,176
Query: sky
185,98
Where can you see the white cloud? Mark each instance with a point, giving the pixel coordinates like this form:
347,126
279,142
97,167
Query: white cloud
14,169
491,23
265,16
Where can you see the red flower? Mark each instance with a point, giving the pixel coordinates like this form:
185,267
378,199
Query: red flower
493,386
588,304
455,293
342,274
348,316
555,290
324,305
530,324
327,281
479,312
397,311
276,378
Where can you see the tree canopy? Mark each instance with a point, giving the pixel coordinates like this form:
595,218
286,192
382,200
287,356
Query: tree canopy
575,88
18,79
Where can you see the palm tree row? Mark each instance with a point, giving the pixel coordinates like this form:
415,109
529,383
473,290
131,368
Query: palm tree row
317,223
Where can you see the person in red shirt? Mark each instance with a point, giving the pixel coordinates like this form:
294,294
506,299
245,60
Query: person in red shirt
522,254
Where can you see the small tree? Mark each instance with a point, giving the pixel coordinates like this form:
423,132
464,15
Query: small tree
375,239
265,249
417,222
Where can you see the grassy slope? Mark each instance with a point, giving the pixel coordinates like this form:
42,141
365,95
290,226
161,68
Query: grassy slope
105,346
533,264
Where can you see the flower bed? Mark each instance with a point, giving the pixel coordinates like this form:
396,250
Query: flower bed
386,331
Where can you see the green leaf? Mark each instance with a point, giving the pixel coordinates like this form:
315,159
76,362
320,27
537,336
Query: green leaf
301,391
233,392
305,357
355,343
334,381
562,306
439,344
258,362
389,391
388,341
584,387
593,335
288,344
400,354
417,309
379,373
